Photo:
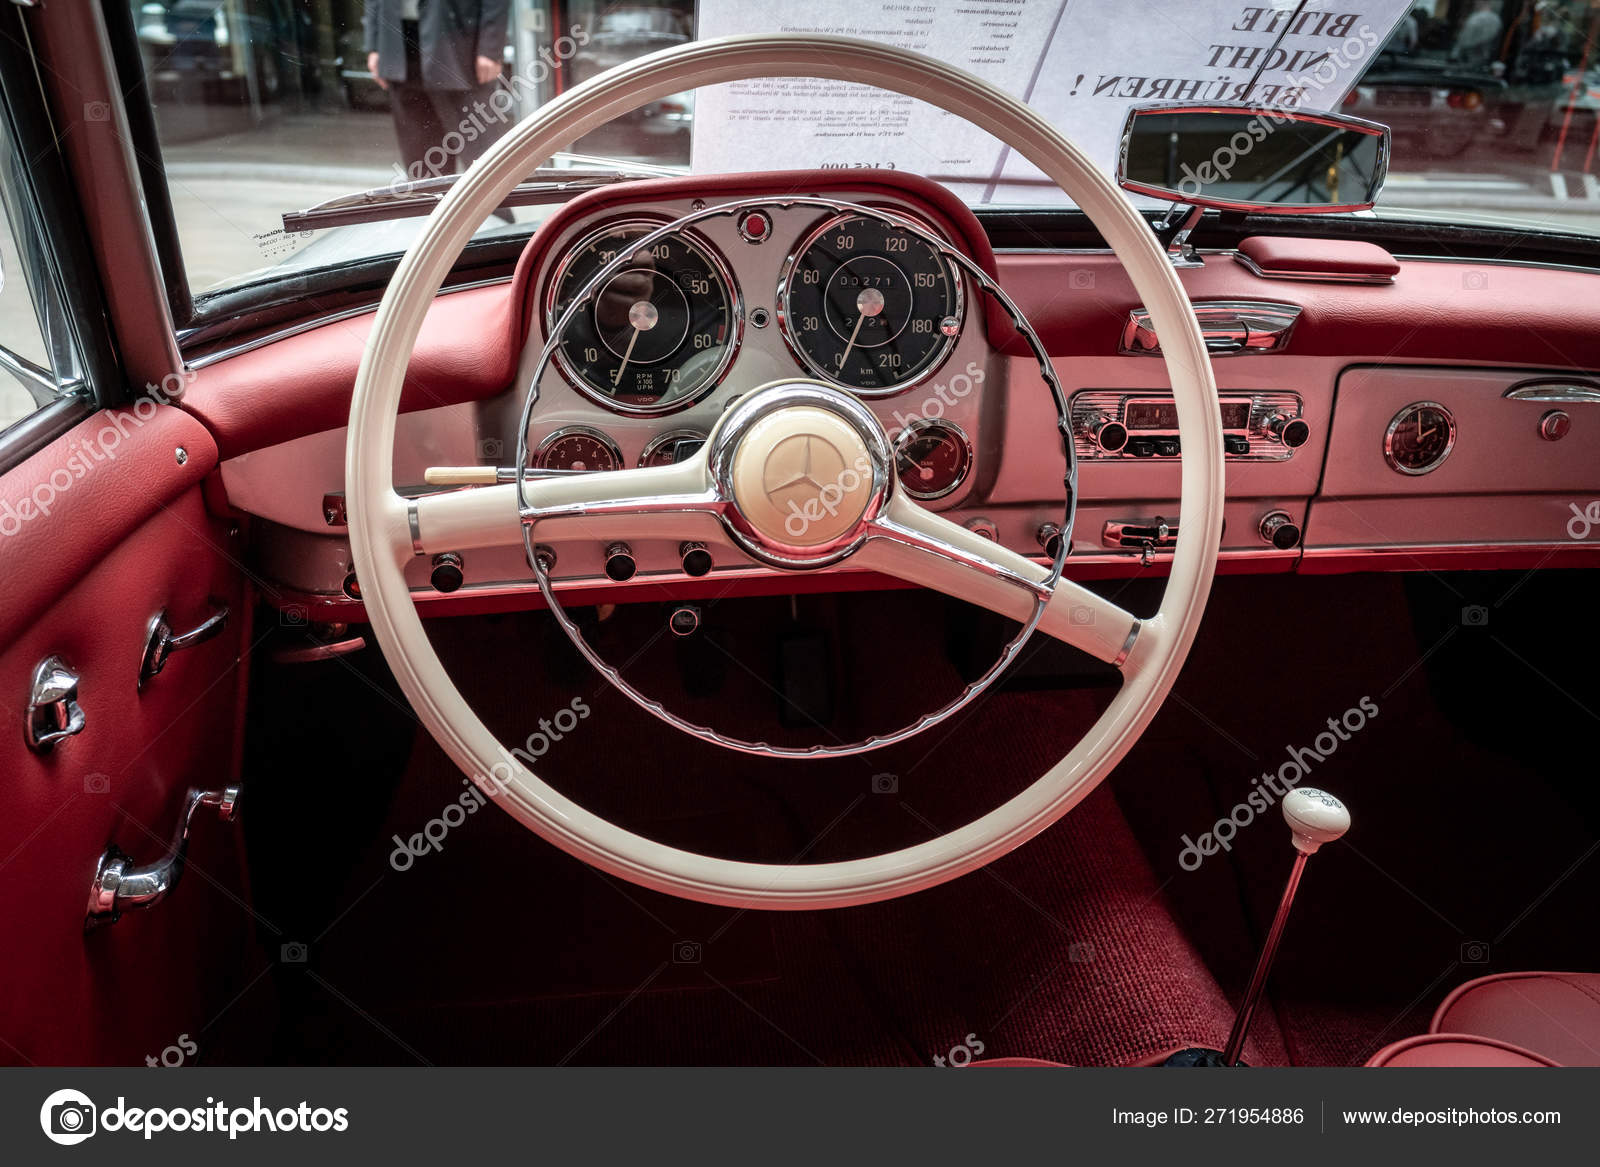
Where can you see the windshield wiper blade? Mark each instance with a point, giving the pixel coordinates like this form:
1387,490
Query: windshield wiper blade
416,198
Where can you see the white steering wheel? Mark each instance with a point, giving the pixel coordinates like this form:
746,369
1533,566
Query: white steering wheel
876,526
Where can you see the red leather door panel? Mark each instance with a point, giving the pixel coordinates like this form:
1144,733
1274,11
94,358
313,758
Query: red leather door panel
124,537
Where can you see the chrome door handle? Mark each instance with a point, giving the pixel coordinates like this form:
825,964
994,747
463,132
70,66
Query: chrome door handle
53,710
119,886
1555,391
163,642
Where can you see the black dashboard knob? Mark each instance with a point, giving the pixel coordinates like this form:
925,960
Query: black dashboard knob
1111,436
1049,536
1293,432
1279,529
447,573
619,562
696,559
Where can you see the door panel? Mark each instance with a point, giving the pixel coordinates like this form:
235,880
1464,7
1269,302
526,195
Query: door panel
125,536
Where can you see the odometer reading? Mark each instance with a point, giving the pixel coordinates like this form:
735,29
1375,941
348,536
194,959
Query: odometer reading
659,333
868,305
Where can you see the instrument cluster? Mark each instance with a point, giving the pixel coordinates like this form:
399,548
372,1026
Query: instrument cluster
859,303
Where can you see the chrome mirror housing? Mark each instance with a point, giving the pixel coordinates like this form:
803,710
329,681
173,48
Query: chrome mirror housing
1253,158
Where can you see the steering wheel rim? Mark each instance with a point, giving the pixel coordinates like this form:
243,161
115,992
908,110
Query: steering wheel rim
383,534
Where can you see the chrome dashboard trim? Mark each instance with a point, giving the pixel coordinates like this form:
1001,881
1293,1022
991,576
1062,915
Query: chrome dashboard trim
1555,390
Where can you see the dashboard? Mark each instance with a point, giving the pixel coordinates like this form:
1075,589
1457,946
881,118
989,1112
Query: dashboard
1373,423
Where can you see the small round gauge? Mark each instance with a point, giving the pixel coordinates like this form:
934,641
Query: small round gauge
658,334
1420,437
933,459
671,447
868,305
578,447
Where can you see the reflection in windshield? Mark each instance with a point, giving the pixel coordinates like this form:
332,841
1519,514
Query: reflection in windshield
1492,106
264,106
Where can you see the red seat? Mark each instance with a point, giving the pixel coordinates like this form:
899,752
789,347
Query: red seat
1510,1019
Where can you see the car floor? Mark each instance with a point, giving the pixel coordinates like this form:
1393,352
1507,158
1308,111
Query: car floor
1091,945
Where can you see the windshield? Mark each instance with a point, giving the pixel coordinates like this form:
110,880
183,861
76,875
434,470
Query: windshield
267,107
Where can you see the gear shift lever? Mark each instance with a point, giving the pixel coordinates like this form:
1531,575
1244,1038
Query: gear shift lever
1315,817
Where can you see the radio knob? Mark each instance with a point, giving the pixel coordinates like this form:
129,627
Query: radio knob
1279,529
1293,432
1111,436
1235,445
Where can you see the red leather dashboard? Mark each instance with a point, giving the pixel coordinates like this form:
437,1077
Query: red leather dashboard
1446,311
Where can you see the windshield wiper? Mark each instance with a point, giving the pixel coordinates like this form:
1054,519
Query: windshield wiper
413,199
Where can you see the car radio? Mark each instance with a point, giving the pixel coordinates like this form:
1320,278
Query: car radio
1120,423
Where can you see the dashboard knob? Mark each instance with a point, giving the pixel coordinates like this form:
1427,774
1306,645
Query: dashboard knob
619,562
1279,529
1049,536
696,559
1111,436
984,528
1293,432
447,573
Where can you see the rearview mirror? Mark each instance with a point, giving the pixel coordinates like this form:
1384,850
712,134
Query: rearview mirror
1253,158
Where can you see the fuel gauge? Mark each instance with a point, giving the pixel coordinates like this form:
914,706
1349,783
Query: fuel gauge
933,458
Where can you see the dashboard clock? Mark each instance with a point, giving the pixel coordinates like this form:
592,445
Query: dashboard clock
1419,438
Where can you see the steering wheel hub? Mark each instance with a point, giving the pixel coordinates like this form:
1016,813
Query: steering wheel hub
805,468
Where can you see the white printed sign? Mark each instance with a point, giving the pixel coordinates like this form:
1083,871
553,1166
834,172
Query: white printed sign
1081,63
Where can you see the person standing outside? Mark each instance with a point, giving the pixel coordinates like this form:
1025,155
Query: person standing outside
438,59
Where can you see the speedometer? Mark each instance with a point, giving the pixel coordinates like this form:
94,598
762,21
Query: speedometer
869,305
659,333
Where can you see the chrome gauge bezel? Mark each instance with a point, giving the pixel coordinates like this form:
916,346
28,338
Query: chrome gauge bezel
1394,427
785,326
917,429
568,431
666,436
723,271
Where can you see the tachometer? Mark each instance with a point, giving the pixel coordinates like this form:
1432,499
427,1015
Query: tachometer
659,334
868,305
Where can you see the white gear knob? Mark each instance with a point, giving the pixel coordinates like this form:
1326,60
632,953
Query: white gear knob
1315,817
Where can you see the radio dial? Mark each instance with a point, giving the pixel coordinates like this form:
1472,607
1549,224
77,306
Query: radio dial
1108,435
